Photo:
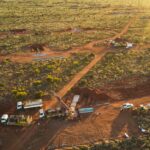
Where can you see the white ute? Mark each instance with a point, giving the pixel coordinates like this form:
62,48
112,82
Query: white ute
127,106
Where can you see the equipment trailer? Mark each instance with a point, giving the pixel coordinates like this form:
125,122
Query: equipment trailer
16,120
52,113
29,104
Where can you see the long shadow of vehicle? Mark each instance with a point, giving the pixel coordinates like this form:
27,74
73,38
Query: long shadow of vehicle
122,121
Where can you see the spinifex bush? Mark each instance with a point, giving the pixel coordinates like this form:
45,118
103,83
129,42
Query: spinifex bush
28,80
118,65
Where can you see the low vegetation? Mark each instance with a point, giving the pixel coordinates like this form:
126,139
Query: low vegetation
139,31
142,116
128,144
37,79
58,24
61,25
118,65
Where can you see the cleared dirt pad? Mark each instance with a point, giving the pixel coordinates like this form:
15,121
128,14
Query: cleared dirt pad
89,97
110,123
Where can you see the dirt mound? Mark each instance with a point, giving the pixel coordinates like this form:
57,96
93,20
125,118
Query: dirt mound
37,47
63,30
91,97
76,30
96,94
129,88
18,31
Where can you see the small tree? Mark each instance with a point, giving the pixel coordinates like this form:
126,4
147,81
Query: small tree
39,94
19,95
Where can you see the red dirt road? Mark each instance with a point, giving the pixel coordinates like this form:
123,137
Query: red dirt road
28,57
31,131
74,81
100,52
109,124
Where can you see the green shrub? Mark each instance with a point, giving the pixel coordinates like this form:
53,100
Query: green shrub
19,95
39,94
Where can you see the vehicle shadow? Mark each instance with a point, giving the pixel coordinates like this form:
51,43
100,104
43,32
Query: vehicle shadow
124,122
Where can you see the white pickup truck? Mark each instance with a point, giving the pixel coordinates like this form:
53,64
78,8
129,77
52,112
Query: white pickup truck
29,104
127,106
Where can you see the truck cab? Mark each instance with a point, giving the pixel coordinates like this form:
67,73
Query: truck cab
4,118
41,113
19,105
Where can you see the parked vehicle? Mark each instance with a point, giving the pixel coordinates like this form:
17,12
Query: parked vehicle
4,118
86,110
127,106
75,100
17,120
55,113
29,104
143,130
52,113
41,113
72,110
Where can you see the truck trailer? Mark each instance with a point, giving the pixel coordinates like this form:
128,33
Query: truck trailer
16,120
52,113
29,104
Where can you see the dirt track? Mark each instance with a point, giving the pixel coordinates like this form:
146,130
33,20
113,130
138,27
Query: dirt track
28,57
111,123
58,132
25,137
98,56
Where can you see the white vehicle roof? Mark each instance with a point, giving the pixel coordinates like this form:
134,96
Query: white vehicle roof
126,104
41,111
111,41
129,45
72,109
75,98
5,116
143,130
19,103
126,135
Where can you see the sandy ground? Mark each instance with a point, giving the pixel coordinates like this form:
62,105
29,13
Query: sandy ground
47,53
110,123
